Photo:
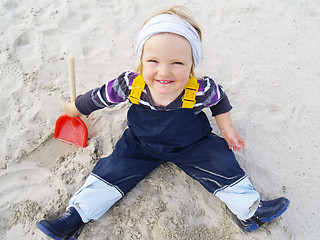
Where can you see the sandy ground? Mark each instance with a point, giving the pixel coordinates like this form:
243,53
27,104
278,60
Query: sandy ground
264,53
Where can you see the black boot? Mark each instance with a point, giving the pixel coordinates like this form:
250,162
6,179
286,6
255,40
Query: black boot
266,212
67,226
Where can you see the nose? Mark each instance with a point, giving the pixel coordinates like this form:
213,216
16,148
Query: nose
164,70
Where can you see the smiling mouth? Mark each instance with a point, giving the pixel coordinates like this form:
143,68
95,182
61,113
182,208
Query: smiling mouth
164,81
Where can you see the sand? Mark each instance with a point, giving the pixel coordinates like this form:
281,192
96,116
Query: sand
264,53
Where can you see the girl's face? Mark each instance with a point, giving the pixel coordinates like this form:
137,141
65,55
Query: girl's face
166,65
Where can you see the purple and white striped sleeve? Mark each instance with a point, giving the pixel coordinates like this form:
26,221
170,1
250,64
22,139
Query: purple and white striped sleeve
109,94
212,96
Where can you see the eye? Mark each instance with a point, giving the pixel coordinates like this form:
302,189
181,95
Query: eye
178,63
152,61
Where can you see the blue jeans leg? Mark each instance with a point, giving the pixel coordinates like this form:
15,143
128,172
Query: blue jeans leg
94,198
240,198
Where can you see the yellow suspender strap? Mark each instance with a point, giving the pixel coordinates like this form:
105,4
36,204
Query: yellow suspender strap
188,100
190,92
138,85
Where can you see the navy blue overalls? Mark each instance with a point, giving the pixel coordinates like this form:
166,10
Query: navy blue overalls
179,136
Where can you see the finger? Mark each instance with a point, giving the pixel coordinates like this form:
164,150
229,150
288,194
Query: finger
235,144
234,147
240,144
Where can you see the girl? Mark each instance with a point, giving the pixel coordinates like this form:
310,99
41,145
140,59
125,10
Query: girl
165,123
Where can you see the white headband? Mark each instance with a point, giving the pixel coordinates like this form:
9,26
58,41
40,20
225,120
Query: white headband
168,23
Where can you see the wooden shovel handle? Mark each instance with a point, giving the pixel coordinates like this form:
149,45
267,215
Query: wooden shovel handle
72,78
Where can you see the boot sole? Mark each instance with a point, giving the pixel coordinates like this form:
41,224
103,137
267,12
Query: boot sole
48,232
269,219
254,226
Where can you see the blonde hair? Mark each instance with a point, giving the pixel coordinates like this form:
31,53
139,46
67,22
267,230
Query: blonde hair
183,13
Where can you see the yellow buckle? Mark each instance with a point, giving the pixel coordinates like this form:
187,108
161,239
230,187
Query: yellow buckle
188,100
191,90
138,85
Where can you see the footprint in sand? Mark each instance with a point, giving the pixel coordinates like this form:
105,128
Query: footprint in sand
24,39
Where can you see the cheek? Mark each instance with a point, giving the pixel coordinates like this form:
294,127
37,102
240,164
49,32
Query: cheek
147,75
183,77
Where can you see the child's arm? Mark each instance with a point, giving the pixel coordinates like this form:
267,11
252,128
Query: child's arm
109,94
224,122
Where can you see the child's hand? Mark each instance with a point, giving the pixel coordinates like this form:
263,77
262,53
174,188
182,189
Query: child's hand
71,110
235,142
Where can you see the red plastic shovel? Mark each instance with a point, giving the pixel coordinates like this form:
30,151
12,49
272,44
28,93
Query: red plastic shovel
71,130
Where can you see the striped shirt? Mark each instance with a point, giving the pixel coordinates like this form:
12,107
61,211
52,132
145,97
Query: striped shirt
210,95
